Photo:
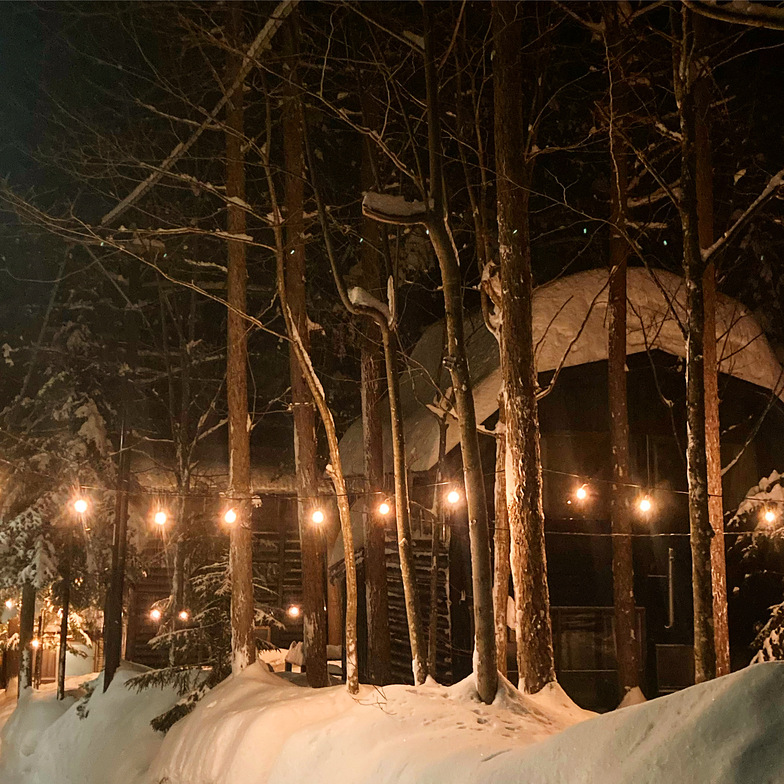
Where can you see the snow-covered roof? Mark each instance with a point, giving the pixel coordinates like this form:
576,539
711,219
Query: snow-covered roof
569,315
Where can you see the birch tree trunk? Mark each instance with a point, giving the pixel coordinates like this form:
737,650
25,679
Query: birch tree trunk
535,659
457,362
701,532
313,553
626,642
704,164
241,542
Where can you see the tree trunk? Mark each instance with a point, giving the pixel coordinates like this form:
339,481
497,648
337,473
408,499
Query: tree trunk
65,604
241,541
403,513
626,642
26,632
457,361
501,542
704,165
376,599
435,546
376,602
305,441
535,660
696,461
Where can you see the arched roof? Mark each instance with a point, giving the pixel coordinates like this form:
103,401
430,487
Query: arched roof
570,328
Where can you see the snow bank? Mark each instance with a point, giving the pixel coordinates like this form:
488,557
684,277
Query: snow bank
45,742
727,731
257,729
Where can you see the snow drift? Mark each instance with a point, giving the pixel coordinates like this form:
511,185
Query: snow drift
257,728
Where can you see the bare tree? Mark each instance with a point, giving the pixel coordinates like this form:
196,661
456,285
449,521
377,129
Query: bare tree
241,542
616,18
535,660
305,442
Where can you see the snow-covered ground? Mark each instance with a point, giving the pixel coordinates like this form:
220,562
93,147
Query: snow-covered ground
259,729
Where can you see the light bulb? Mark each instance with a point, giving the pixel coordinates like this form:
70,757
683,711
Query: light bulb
183,615
80,505
383,508
318,516
35,643
645,504
581,493
770,516
9,603
230,516
155,614
294,611
161,517
453,497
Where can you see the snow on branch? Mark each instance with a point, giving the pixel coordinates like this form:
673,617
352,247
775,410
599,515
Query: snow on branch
769,191
393,209
364,299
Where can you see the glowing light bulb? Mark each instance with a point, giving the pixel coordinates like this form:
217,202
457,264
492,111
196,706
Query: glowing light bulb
35,643
294,611
453,497
183,615
155,614
318,516
161,517
9,603
645,504
383,508
80,505
230,516
770,516
581,493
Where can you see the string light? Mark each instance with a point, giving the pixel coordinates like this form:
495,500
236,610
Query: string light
161,517
183,615
384,508
769,516
155,614
294,611
318,517
35,643
9,604
453,497
581,493
645,504
80,506
230,516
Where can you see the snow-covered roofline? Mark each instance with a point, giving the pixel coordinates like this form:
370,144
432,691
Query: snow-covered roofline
569,315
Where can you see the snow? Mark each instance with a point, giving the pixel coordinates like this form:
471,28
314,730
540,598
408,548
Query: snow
561,309
44,741
358,296
257,728
396,206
